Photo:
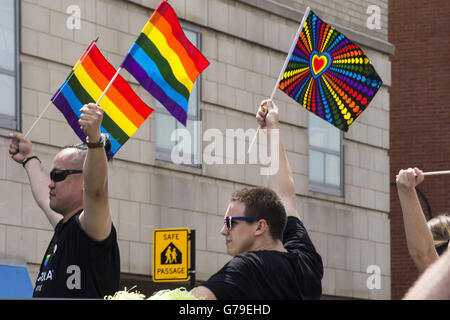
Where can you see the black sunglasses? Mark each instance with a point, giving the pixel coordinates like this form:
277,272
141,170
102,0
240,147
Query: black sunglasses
58,175
229,220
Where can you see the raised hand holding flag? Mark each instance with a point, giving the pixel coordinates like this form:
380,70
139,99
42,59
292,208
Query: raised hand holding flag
94,79
328,74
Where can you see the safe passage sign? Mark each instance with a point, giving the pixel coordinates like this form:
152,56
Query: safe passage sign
171,255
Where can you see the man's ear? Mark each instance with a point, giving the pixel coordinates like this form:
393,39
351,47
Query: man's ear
261,226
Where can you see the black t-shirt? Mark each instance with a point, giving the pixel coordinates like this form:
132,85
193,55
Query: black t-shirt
273,275
76,266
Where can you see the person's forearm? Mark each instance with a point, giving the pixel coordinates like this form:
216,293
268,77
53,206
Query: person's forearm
96,218
95,173
282,182
434,284
39,181
418,236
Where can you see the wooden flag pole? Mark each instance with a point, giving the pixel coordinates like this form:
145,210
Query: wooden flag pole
39,118
436,173
305,16
49,104
433,173
109,85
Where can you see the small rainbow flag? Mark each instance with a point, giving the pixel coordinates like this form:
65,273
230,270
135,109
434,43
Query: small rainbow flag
46,259
124,111
165,62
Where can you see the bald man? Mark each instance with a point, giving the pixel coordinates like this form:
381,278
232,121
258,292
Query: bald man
82,259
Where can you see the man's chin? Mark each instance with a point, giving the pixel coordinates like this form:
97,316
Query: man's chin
231,252
53,206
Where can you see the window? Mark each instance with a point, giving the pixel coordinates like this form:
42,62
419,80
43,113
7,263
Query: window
325,157
165,123
9,64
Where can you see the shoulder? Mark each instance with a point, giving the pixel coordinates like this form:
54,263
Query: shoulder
295,233
294,222
247,261
246,257
297,241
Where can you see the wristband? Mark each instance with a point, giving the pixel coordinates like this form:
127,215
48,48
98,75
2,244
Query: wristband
24,162
99,144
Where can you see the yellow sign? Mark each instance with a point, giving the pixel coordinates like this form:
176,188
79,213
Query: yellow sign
170,255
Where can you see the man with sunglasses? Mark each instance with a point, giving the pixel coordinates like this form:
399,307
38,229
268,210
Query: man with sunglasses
82,259
273,256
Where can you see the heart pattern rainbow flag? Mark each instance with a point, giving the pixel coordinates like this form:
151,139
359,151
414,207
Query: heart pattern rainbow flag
328,74
165,62
124,111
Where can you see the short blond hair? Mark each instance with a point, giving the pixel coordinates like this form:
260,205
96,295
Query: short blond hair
440,230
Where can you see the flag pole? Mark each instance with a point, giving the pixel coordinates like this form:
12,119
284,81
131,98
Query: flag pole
436,173
305,16
51,100
39,118
259,128
109,85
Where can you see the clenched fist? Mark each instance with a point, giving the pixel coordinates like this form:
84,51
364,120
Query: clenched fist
90,121
409,179
20,147
267,115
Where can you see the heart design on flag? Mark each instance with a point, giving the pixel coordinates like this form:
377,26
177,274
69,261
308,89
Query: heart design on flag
319,63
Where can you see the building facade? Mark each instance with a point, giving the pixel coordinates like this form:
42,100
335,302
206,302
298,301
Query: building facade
341,180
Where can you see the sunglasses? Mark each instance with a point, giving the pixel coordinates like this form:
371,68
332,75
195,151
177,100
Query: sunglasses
58,175
229,220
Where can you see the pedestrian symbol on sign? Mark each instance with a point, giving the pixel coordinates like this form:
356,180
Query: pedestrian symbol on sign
171,255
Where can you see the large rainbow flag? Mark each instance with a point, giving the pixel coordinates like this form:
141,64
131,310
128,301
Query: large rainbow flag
124,111
165,62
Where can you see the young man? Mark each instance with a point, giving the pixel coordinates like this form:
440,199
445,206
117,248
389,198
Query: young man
82,259
273,256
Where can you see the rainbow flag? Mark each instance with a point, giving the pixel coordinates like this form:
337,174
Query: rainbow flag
328,74
165,62
124,111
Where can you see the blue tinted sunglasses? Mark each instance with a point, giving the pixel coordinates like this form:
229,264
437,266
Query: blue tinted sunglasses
229,220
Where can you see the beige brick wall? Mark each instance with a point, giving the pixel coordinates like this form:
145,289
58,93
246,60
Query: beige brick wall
351,14
246,47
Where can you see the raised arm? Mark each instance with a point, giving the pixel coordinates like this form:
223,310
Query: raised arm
434,283
418,236
20,150
282,182
96,218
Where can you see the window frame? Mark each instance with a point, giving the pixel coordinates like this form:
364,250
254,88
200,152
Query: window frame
162,154
8,122
324,187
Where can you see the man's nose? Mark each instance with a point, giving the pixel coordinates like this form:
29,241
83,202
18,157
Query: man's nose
224,231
